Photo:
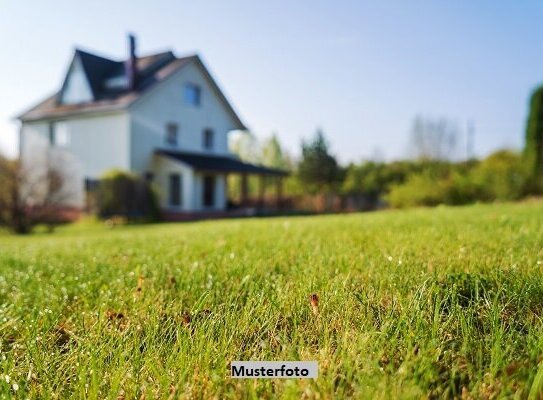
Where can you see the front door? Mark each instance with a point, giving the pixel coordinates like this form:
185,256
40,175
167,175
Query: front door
209,191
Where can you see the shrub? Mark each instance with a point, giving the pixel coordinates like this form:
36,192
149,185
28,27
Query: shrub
500,176
420,189
123,194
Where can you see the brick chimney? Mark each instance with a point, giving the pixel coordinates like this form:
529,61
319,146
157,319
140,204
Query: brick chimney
130,63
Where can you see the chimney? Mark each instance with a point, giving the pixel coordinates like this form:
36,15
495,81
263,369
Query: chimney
130,64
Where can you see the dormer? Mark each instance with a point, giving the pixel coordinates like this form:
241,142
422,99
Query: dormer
76,88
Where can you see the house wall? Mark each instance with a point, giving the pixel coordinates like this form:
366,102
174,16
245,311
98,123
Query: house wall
162,167
220,193
192,186
96,144
165,104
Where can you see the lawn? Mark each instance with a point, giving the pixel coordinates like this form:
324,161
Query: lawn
434,303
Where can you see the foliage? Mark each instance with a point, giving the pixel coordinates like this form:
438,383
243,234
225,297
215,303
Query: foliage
376,178
430,303
422,189
533,152
500,176
123,194
29,197
272,154
246,146
318,169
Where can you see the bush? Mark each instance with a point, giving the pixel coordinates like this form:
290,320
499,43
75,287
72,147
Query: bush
501,176
123,194
498,177
420,189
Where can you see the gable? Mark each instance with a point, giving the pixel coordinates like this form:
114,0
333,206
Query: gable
97,84
192,73
76,87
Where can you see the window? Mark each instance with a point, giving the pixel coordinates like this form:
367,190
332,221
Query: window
91,185
192,94
59,134
51,133
172,134
208,138
175,190
209,191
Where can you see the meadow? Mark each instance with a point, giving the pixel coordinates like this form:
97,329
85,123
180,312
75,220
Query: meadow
424,303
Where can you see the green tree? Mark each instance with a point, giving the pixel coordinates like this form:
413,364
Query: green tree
533,152
318,169
272,153
245,145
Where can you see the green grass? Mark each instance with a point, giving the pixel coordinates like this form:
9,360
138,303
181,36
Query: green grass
437,303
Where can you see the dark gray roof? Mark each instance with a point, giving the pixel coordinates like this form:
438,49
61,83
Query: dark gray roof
219,163
151,70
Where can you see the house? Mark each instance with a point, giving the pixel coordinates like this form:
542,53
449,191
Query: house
159,116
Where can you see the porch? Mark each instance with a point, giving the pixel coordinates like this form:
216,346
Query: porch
204,186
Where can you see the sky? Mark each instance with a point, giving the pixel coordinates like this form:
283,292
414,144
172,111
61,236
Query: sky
359,70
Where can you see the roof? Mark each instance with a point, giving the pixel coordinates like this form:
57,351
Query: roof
151,70
219,163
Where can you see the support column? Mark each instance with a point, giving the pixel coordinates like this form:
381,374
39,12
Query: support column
279,190
244,190
261,190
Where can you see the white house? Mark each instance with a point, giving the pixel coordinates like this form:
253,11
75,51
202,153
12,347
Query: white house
160,116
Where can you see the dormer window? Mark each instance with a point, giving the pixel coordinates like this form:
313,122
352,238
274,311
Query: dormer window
172,134
116,82
192,94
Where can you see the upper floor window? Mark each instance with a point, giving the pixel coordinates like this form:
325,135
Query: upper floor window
172,134
192,94
208,137
59,134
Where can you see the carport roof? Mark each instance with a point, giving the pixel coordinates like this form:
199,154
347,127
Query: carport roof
219,163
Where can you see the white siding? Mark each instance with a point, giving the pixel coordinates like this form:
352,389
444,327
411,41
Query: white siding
77,88
166,104
100,143
193,188
96,144
162,167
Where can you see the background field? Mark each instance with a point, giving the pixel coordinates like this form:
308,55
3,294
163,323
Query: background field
433,303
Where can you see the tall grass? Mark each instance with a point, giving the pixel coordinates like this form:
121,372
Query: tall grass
435,303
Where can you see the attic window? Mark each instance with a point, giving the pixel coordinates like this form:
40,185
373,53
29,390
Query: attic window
192,94
117,82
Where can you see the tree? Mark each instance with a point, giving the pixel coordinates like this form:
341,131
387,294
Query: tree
272,153
30,196
433,139
245,145
533,151
318,168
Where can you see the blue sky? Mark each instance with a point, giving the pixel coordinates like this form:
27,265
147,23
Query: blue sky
360,70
